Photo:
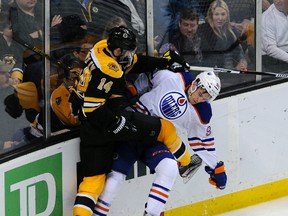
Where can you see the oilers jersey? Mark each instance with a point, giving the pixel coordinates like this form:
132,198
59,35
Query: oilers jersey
167,99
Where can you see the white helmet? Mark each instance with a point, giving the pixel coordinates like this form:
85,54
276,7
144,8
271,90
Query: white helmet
210,82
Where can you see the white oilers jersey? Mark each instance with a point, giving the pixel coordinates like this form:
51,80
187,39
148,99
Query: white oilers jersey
167,99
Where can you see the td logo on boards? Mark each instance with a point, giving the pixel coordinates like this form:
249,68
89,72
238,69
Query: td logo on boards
35,189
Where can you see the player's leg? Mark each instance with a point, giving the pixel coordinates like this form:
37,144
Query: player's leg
160,160
153,128
125,156
96,160
168,135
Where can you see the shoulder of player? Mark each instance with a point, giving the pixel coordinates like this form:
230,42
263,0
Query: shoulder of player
104,62
167,74
204,111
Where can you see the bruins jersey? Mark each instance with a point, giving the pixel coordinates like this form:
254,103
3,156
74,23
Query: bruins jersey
102,80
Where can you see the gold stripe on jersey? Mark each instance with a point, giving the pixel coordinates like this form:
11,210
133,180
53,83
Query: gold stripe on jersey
90,104
105,63
84,80
115,96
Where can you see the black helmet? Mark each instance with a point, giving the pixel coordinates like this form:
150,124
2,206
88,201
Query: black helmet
121,37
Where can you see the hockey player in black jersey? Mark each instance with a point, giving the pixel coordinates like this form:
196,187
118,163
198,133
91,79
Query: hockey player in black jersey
104,120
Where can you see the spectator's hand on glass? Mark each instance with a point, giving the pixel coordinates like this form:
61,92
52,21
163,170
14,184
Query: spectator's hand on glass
156,41
14,81
36,34
242,65
241,27
57,19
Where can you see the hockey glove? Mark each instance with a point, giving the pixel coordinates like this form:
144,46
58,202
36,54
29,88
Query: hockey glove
76,101
122,126
13,107
75,97
31,114
218,176
173,56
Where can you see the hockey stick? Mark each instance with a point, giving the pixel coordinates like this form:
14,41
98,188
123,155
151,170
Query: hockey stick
40,52
224,70
13,16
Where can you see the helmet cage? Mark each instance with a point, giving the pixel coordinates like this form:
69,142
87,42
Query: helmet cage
209,82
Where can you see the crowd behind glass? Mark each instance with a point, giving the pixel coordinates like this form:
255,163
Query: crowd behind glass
206,33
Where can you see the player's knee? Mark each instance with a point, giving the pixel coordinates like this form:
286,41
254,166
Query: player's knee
168,134
88,193
181,154
117,176
167,168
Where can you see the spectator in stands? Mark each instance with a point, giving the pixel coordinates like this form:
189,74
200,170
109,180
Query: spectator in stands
113,22
27,20
266,4
167,15
64,115
95,14
242,15
27,24
5,68
241,10
136,21
219,43
185,37
275,37
10,51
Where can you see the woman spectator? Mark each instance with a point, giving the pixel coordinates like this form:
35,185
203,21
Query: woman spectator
219,42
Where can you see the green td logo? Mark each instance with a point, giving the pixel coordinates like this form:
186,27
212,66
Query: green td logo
35,189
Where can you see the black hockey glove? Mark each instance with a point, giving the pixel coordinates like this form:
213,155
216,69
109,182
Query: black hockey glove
218,176
122,126
31,114
76,101
13,107
174,57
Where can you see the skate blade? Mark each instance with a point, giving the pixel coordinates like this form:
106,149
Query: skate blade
187,177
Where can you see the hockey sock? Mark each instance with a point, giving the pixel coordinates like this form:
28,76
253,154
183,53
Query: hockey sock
113,183
165,176
168,135
88,192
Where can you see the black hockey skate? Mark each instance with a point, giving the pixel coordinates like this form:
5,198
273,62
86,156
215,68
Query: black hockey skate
186,172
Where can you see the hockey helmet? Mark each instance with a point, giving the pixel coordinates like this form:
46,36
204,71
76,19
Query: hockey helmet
121,37
210,82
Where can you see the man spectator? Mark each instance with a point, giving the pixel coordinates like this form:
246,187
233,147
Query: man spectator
275,37
185,37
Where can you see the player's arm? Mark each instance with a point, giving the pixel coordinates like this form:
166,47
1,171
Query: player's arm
201,140
149,63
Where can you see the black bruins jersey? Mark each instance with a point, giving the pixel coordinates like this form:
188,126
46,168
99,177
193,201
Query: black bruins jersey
102,82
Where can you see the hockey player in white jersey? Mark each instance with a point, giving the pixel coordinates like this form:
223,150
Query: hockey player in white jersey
186,106
186,103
